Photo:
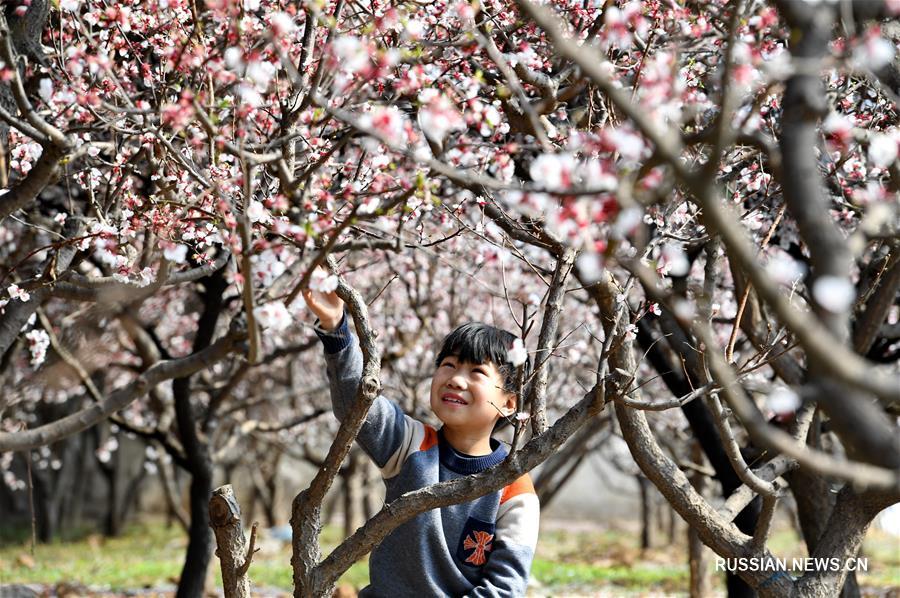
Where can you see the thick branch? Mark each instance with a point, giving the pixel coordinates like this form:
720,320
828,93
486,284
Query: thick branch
84,419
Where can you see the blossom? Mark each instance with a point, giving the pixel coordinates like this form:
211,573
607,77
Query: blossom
267,267
386,122
261,73
174,252
517,355
257,212
672,260
16,293
351,53
438,116
553,171
38,341
282,24
629,145
323,282
70,5
833,293
874,51
784,269
882,149
782,400
274,316
45,90
590,266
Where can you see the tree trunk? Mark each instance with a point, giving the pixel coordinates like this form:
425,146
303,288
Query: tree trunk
697,562
644,486
199,551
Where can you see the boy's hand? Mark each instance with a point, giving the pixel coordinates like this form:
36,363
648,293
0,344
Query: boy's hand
328,307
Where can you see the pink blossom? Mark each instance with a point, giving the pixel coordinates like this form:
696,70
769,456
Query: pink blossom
873,52
438,116
387,122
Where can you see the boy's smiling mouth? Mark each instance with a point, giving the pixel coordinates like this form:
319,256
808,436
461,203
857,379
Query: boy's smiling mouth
453,399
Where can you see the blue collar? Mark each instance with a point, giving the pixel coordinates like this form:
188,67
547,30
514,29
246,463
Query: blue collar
465,464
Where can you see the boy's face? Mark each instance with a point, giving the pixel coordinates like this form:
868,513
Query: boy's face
469,397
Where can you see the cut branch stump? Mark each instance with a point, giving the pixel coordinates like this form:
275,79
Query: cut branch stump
231,548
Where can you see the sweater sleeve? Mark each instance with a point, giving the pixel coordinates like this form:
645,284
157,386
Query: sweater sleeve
386,427
505,575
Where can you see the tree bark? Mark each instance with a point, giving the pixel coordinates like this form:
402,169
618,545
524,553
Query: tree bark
225,520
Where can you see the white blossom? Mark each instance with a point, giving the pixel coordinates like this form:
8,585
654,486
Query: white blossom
274,316
672,260
553,171
784,269
38,341
45,90
590,266
882,149
782,400
261,73
175,252
282,23
352,55
323,282
517,355
16,293
257,212
834,293
873,53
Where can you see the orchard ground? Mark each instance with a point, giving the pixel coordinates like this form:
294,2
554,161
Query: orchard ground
582,559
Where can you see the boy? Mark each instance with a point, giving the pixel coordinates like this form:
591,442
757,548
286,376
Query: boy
480,548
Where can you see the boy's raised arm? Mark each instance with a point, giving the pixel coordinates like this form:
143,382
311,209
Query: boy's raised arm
385,428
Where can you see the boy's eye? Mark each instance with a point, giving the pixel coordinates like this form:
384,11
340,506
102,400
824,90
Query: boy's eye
481,371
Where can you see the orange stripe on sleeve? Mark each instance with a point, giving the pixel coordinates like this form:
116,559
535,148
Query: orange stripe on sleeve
521,486
429,440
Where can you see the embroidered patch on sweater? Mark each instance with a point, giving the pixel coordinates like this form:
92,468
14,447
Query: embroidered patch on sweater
476,542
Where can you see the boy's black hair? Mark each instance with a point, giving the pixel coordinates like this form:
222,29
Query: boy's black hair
477,342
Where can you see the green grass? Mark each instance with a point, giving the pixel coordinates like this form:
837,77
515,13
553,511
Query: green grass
144,556
150,556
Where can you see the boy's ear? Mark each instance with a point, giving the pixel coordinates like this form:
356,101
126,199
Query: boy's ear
509,404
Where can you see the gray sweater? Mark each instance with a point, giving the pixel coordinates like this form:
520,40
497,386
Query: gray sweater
481,548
